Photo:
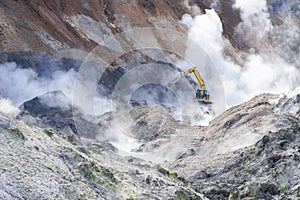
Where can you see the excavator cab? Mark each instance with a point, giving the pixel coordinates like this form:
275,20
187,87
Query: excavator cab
202,96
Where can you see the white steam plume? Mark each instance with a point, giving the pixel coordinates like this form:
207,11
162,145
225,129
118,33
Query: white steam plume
7,108
256,24
251,7
261,72
258,32
20,85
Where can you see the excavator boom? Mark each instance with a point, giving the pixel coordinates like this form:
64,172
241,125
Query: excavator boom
197,75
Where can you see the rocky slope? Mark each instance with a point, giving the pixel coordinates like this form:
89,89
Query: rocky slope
47,163
267,170
240,126
39,163
63,24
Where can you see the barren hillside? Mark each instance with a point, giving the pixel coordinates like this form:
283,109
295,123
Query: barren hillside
100,99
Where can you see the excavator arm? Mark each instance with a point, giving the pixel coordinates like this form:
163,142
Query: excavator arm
198,76
202,94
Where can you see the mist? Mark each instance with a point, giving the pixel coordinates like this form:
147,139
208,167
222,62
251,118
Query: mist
8,108
264,69
20,85
270,65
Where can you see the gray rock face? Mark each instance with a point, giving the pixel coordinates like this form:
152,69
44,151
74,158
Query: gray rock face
46,165
151,123
217,161
243,125
5,122
43,63
54,110
51,104
267,170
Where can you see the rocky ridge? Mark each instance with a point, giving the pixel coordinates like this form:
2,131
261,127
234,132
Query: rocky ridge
40,163
267,170
66,164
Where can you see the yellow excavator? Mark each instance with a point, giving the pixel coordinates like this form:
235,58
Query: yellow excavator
202,94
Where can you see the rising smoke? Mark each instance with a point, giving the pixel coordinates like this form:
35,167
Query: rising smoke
271,66
7,107
266,68
20,85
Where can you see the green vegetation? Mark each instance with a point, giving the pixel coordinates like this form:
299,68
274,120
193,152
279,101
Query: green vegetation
174,176
289,134
49,132
71,139
70,193
87,171
181,195
16,132
98,175
28,124
282,188
107,173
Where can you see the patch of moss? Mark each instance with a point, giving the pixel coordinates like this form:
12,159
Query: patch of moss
78,158
289,134
110,186
233,196
87,171
49,132
70,193
173,175
28,124
92,172
181,195
274,171
71,139
230,196
107,173
16,132
282,188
